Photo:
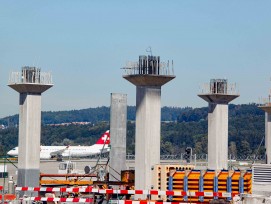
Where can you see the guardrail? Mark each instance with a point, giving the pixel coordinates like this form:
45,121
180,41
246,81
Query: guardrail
204,157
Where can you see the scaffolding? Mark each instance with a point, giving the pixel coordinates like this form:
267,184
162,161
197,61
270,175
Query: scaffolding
149,65
219,86
30,75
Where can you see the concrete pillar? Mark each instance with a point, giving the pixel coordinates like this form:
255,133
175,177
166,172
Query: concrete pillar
29,140
218,97
148,124
218,136
267,109
118,123
30,83
268,137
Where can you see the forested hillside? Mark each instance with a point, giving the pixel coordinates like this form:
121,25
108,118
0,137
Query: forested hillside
92,115
182,127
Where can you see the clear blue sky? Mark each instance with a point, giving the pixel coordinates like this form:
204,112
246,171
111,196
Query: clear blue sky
85,43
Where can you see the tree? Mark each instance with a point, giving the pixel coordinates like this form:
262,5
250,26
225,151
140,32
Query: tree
232,149
67,142
245,148
167,148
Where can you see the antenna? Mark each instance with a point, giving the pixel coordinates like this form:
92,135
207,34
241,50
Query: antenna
149,50
172,68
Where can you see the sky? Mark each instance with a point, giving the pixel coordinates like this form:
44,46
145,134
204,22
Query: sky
84,44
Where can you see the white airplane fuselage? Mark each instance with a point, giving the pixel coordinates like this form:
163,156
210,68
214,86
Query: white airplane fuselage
48,152
73,151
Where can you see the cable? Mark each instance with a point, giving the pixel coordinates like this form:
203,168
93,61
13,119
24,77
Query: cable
114,170
258,150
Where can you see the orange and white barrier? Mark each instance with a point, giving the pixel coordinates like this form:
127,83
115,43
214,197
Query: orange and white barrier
125,192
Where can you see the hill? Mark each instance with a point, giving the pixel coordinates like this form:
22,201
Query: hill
92,115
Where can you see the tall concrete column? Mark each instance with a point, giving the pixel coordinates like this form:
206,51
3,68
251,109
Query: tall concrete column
148,78
218,136
30,83
29,139
218,94
267,109
148,133
118,123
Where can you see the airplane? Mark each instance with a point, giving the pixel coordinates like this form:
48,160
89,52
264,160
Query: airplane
50,152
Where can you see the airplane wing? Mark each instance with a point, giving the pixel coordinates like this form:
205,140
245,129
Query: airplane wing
58,152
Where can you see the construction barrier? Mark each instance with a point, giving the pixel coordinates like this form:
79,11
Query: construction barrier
112,202
125,192
74,200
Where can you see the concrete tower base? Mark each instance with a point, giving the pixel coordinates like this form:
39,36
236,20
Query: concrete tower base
118,120
267,110
268,137
148,119
29,140
218,136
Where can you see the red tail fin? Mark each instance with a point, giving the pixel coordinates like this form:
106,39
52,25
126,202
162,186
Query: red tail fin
104,139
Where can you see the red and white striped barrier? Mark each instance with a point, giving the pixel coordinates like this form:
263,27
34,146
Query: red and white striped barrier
124,192
89,200
152,202
50,189
75,200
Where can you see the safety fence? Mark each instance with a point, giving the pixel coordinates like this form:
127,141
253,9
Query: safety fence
112,202
90,189
194,158
126,192
73,200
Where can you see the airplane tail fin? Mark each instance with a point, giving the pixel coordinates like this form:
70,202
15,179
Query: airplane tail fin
104,139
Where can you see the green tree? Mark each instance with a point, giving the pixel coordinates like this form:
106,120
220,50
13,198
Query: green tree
232,149
245,148
167,148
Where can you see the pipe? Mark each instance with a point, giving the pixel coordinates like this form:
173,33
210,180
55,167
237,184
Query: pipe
229,187
185,187
201,187
215,186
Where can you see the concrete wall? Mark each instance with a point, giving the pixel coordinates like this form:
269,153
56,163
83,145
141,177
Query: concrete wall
118,123
218,136
29,140
268,137
148,125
